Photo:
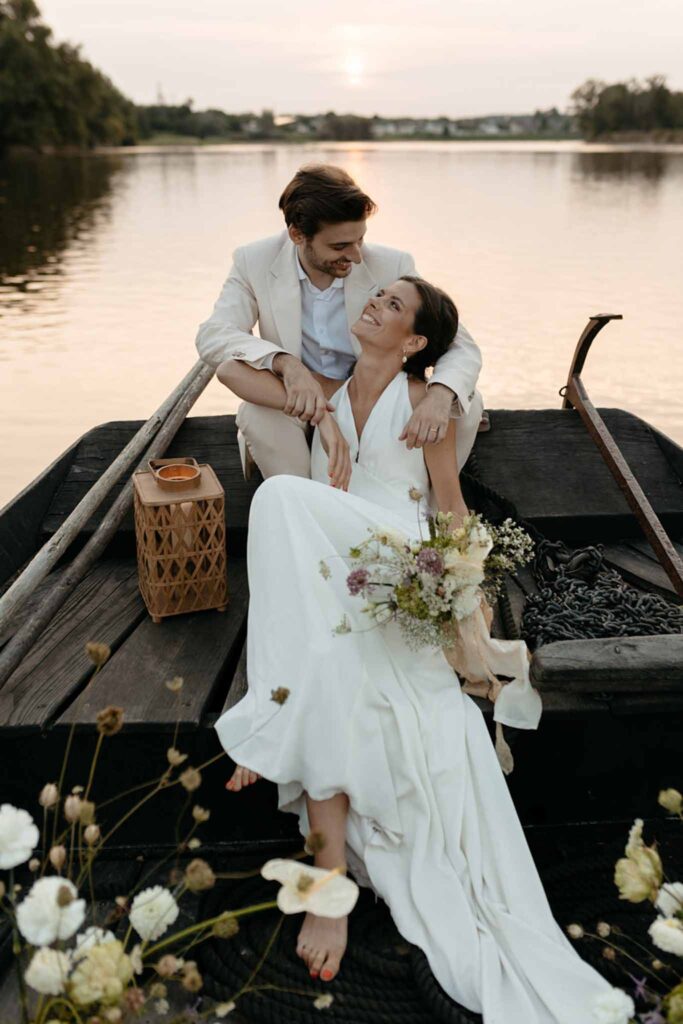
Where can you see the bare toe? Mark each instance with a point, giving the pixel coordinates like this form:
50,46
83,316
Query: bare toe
317,961
330,968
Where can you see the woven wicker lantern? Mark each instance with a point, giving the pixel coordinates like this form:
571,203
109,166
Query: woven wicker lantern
180,534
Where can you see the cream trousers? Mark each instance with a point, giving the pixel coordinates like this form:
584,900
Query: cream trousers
280,444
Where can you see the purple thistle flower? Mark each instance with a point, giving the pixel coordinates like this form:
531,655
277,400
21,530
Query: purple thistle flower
356,580
430,561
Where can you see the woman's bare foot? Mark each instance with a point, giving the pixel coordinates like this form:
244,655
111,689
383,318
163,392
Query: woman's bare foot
321,944
241,777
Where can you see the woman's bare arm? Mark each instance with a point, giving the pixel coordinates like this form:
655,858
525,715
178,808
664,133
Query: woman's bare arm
441,463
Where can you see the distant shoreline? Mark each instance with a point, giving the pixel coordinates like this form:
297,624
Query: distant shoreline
673,137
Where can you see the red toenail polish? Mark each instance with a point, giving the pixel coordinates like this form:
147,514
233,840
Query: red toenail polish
326,975
314,974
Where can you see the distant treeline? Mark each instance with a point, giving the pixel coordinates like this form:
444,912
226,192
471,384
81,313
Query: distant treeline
49,95
633,106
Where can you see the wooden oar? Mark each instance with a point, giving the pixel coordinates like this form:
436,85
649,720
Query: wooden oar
574,394
27,634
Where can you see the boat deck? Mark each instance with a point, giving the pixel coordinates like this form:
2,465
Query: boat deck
542,460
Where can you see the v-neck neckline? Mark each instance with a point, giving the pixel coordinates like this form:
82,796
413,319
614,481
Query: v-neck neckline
380,397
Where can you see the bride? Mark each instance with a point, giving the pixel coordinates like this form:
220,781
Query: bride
371,743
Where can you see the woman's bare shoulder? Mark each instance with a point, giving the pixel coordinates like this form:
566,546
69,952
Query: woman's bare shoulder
416,390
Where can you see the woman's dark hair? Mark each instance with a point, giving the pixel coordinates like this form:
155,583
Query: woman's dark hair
437,320
322,194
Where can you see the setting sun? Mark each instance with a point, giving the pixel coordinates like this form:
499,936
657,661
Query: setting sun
353,68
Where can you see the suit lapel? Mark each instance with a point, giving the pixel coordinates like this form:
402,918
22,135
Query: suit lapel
285,297
358,287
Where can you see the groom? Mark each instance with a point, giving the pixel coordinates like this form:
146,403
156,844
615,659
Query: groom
305,287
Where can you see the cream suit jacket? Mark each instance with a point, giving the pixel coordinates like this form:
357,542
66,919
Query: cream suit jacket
263,285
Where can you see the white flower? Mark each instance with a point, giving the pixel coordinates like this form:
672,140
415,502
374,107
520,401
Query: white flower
465,602
162,1006
613,1007
47,971
223,1009
91,937
136,958
479,544
325,893
18,836
635,838
667,933
323,1001
153,911
391,538
101,975
670,899
50,911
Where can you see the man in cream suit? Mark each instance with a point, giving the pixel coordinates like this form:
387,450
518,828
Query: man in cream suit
305,287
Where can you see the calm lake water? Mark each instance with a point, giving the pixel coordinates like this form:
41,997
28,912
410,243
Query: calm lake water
108,263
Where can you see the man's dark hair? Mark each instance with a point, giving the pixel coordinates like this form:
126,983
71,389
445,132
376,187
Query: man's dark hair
322,194
437,320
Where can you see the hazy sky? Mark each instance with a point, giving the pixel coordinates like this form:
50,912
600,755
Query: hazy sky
421,57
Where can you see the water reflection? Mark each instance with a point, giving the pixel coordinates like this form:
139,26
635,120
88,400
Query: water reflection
47,205
622,165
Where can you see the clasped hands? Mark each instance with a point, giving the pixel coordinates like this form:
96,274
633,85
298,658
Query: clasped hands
306,400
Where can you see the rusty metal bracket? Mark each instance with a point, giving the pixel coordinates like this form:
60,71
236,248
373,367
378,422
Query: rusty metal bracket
575,396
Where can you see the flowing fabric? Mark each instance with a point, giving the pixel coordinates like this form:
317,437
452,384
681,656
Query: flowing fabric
432,828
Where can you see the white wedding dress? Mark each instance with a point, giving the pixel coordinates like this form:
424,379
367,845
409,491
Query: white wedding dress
432,827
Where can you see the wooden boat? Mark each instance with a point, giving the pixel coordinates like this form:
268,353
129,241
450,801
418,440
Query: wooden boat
610,735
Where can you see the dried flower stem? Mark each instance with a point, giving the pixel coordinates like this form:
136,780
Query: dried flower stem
62,773
205,924
59,1001
619,949
16,950
93,763
259,965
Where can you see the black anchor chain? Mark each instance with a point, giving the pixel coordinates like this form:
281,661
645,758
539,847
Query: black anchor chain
578,596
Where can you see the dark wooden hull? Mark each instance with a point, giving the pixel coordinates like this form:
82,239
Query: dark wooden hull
609,738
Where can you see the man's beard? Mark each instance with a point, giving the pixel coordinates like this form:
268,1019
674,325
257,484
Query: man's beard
323,266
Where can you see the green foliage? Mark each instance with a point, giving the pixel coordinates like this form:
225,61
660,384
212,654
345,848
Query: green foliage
600,108
50,95
161,119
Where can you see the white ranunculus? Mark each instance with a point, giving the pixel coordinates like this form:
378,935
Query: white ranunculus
325,893
153,911
667,933
670,899
91,937
45,914
614,1007
19,836
48,971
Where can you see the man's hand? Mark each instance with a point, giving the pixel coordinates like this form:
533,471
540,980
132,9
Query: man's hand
336,446
305,398
429,422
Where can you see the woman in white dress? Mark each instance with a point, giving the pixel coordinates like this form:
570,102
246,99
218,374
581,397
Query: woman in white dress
376,745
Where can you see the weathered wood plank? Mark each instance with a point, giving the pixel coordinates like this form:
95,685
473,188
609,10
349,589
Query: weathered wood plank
202,648
20,520
545,462
104,607
638,568
32,602
238,687
646,663
211,439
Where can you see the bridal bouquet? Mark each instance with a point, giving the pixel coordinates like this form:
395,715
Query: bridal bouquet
428,586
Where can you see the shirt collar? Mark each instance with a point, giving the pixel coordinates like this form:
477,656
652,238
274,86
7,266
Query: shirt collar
303,276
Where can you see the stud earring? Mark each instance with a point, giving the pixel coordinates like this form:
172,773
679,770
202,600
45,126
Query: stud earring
405,358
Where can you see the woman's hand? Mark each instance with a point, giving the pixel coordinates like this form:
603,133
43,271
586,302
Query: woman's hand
337,449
